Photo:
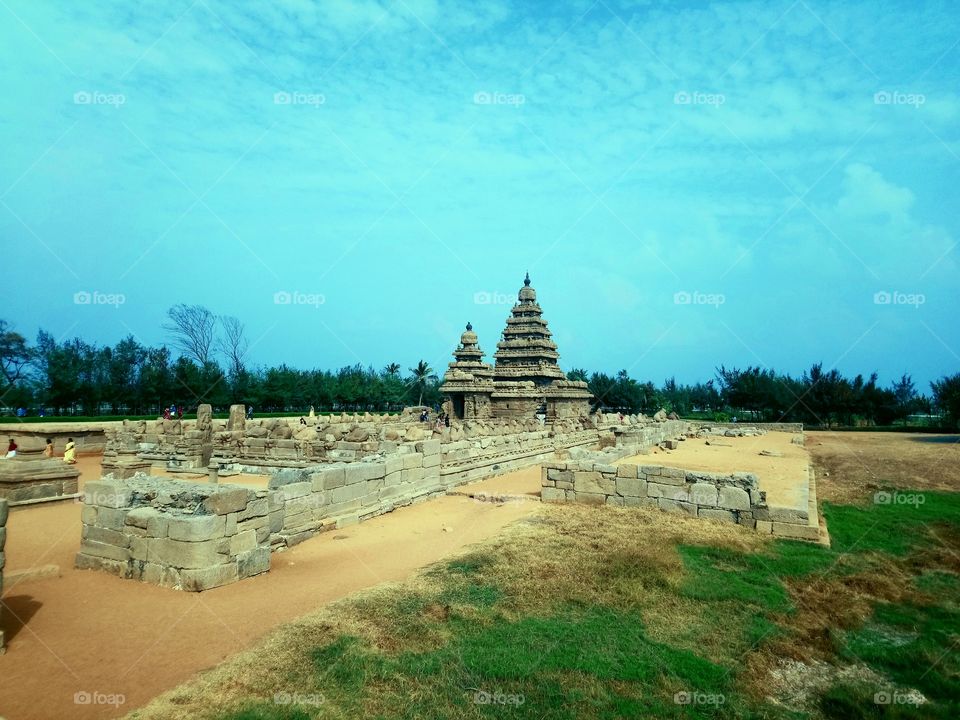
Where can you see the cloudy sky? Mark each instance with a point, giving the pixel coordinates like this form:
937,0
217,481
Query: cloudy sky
689,184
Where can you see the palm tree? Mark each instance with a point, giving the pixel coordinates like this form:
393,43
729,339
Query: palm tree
422,374
392,369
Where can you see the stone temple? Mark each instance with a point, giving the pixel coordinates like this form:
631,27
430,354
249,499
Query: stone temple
525,380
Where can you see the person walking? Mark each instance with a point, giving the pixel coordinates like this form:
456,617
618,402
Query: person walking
11,449
48,450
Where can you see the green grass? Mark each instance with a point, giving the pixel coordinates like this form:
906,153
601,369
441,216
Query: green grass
624,628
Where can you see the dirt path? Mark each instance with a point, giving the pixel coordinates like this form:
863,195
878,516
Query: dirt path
89,632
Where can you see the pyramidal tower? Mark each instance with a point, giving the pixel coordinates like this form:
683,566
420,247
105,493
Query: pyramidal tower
525,381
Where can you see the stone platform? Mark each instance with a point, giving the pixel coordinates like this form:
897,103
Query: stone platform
30,479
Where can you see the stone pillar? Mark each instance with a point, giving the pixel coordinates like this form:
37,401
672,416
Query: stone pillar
238,418
213,473
205,428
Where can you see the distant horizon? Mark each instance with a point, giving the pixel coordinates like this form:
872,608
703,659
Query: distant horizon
740,184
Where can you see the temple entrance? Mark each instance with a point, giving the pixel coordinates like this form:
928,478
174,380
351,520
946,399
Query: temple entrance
458,404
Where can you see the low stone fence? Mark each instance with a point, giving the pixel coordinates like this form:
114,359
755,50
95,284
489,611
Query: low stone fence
774,427
183,535
4,512
734,498
26,479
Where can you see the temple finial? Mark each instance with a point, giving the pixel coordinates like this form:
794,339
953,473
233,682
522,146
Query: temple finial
526,280
469,326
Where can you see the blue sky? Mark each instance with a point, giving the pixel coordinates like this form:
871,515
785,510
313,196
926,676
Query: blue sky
689,184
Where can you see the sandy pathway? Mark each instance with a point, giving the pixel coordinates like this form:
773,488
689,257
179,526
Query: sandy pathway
87,631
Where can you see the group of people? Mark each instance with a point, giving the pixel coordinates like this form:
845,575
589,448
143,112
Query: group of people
69,451
169,413
443,420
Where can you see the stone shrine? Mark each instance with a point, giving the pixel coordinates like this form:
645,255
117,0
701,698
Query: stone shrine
526,379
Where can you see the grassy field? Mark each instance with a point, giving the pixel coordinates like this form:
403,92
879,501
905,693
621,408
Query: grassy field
587,612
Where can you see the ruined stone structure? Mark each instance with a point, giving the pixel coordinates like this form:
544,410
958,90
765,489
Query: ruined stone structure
4,510
526,379
26,479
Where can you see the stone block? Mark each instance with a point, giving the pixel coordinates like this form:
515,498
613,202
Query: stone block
670,492
627,470
243,541
631,486
393,464
428,447
764,526
733,498
200,579
716,514
588,498
139,548
158,525
412,475
99,534
593,482
549,494
348,520
412,460
227,500
797,532
181,554
676,506
104,550
431,460
254,562
193,528
88,515
112,518
276,521
295,490
704,494
106,493
650,469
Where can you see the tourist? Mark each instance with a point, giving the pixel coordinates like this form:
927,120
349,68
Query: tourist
48,450
303,420
70,452
11,449
166,413
424,415
250,413
446,420
180,413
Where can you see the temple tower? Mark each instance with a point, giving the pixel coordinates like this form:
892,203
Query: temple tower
468,382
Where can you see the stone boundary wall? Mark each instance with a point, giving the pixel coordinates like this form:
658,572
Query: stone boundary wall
734,498
27,479
776,427
4,513
182,535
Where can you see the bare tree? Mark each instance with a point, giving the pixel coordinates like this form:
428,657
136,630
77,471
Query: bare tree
15,354
192,329
233,343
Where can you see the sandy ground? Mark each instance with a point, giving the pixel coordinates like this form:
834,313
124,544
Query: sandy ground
520,483
783,478
90,632
851,464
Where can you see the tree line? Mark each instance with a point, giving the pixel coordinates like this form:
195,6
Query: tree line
75,377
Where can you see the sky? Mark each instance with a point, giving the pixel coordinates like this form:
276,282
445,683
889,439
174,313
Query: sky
689,184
